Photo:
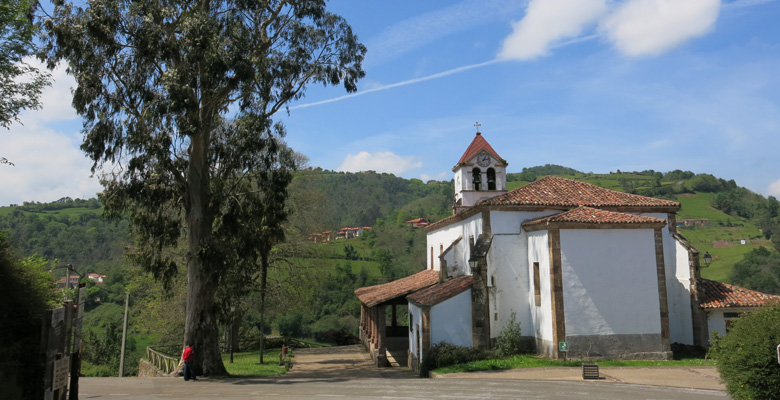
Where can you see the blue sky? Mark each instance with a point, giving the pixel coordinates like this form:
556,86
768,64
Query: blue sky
596,85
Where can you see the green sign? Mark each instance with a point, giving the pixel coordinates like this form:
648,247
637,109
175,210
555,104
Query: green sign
563,346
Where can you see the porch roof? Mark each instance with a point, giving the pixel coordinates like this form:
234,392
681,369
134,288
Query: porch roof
378,294
722,295
440,292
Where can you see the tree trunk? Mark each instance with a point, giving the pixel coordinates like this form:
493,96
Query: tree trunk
200,329
234,333
263,281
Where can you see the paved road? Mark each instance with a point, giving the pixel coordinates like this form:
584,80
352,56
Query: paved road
346,373
394,389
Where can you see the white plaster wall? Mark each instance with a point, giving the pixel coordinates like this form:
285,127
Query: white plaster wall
508,263
610,285
508,268
716,322
446,235
451,320
541,316
416,319
678,292
678,285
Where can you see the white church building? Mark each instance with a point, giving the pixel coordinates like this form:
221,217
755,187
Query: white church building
583,269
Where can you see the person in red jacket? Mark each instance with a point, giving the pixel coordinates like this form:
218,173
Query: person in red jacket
189,372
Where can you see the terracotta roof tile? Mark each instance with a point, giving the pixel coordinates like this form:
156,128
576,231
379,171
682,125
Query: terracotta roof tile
562,192
478,144
589,215
722,295
377,294
437,293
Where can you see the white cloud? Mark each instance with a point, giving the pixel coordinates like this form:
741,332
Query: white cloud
379,162
441,176
547,22
48,166
57,99
48,163
774,189
651,27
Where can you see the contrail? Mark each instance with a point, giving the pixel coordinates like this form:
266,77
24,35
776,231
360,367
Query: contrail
726,6
398,84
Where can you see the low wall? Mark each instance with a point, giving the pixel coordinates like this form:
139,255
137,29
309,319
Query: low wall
147,370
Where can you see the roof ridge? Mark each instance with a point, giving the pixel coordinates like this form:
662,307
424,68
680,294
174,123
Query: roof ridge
478,144
557,191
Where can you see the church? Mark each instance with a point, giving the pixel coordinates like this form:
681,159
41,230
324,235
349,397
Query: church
588,272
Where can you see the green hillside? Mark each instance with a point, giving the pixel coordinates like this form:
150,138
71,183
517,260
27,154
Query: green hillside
311,285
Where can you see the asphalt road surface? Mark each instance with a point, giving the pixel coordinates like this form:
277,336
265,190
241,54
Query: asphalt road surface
386,389
347,373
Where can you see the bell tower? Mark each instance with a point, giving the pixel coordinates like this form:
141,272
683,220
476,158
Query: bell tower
479,174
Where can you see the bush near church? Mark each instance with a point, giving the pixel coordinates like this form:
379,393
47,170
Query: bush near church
747,356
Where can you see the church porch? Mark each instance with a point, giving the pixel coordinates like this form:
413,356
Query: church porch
377,336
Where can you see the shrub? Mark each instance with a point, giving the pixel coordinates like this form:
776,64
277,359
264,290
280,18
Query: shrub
291,325
511,341
746,357
443,354
336,330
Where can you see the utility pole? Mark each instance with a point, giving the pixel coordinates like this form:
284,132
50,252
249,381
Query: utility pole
124,337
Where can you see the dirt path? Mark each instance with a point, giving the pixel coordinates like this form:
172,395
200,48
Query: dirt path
339,363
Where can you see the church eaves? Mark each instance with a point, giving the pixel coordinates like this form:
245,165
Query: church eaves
593,216
561,192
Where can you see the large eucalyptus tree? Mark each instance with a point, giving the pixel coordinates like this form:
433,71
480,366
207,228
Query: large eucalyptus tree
178,99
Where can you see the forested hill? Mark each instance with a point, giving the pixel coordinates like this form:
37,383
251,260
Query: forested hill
73,231
360,199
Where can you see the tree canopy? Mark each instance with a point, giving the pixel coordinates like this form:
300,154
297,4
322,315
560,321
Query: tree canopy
178,101
20,83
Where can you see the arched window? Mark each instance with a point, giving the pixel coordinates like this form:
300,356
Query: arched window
476,178
491,178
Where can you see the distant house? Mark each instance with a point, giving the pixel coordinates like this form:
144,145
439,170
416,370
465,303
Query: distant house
73,282
417,222
96,277
343,233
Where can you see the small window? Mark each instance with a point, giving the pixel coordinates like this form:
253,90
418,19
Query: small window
537,284
431,257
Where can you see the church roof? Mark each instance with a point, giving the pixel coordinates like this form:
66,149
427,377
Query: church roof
722,295
562,192
589,215
377,294
478,144
442,291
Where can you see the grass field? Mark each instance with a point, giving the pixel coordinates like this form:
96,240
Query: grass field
247,364
533,361
71,212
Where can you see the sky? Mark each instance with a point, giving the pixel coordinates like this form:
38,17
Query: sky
595,85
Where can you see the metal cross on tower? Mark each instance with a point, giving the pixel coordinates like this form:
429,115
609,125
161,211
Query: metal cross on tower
477,124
